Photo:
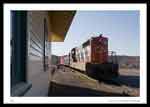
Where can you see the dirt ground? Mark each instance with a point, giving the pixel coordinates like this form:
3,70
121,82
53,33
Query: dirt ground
66,82
134,72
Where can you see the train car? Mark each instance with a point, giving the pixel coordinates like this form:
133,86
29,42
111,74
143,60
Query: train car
61,60
64,60
92,59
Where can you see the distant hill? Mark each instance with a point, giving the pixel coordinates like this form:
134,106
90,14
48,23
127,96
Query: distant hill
128,61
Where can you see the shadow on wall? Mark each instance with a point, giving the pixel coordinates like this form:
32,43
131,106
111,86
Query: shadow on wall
67,90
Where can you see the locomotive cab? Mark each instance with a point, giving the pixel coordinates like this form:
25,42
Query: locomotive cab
103,65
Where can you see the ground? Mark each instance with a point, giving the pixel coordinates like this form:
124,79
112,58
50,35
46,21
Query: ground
67,82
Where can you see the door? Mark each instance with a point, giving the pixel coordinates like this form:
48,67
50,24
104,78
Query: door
45,53
18,46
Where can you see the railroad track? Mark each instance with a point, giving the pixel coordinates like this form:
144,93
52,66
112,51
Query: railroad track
116,82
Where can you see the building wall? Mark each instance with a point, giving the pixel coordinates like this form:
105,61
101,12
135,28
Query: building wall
31,55
55,60
36,75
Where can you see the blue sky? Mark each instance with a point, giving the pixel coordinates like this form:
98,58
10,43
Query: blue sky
121,28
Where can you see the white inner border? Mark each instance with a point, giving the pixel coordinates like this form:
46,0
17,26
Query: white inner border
143,56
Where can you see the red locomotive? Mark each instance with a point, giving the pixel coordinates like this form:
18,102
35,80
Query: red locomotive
93,58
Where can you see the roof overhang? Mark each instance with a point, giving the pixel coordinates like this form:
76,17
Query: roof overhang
60,22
